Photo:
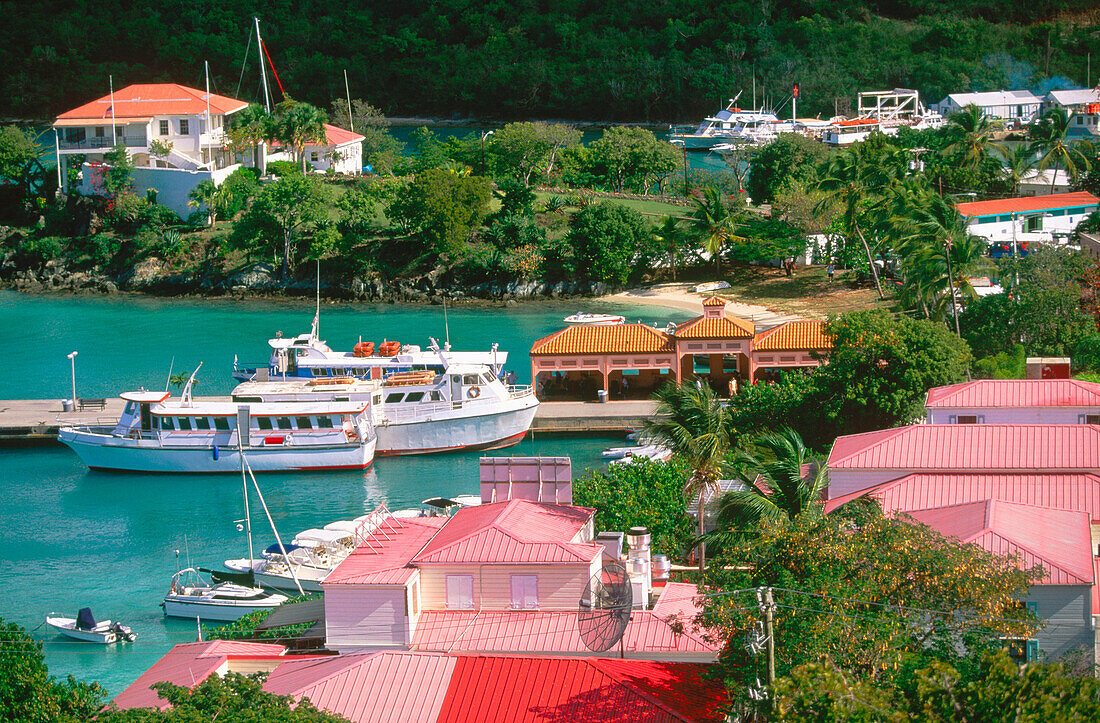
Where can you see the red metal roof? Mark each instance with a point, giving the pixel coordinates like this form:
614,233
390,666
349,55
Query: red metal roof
1028,204
339,136
144,100
1078,492
188,665
485,689
384,558
370,688
611,339
1059,541
971,447
516,531
523,631
794,335
1016,393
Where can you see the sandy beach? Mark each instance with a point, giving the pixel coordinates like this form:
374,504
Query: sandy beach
681,296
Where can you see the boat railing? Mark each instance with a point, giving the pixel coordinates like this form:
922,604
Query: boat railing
98,425
401,412
515,391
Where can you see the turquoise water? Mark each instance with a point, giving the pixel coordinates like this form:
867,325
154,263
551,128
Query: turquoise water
76,538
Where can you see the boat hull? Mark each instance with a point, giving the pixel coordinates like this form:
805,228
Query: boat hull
209,611
113,453
489,431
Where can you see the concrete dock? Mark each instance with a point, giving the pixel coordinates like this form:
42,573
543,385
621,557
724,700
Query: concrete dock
36,421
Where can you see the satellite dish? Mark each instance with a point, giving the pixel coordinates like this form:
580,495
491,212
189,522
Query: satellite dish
605,608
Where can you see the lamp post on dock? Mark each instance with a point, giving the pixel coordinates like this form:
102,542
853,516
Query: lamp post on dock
72,362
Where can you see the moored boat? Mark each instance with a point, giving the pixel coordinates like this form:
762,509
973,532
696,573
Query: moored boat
592,319
224,601
85,628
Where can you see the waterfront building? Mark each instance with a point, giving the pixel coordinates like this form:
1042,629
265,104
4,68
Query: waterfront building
1015,401
632,360
175,136
383,687
1028,219
342,152
1021,106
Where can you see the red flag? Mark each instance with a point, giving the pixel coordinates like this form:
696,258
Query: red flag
796,90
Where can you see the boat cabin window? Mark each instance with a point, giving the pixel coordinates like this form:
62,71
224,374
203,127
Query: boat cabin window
377,399
130,408
414,396
304,423
263,422
488,377
185,424
166,423
202,422
435,397
284,422
394,398
318,372
339,372
470,380
221,424
324,422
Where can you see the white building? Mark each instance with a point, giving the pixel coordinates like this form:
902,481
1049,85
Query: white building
186,126
1031,218
1017,105
1043,183
1083,107
342,152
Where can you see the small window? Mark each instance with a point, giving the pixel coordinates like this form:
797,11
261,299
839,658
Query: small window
460,592
313,157
304,423
99,131
525,592
164,127
130,408
436,397
202,423
967,419
470,380
338,371
1092,419
263,422
414,396
488,377
394,398
284,422
317,372
221,424
185,424
166,423
324,422
185,127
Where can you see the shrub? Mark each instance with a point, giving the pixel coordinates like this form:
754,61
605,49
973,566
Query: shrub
283,168
33,253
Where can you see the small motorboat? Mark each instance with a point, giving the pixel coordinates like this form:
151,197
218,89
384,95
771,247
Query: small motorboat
711,286
655,452
190,596
84,627
589,319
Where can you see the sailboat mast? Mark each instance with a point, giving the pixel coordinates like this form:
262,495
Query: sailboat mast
244,490
263,73
347,90
114,129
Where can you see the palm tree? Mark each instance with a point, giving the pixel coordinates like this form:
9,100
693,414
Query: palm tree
974,131
248,130
299,125
202,196
691,421
782,480
853,182
1055,150
1017,164
714,224
669,239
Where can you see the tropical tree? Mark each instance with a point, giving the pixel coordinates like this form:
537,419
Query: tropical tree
298,125
973,132
669,238
691,421
248,129
1017,164
782,479
714,224
1055,150
282,213
202,197
849,180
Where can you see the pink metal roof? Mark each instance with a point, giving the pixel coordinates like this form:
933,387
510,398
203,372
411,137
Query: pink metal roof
187,665
974,447
485,689
384,558
507,631
1078,492
339,136
1016,393
1059,541
516,531
370,688
678,599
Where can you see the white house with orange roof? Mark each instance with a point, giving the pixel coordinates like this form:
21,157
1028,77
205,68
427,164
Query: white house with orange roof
633,360
185,124
342,152
1027,218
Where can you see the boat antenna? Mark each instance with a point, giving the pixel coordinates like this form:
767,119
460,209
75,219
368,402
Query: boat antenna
263,73
185,397
244,490
446,326
317,313
282,548
171,366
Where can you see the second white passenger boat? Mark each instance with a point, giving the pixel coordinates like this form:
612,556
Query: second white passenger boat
156,433
224,601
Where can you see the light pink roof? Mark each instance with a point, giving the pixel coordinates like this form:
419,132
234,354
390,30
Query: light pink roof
969,447
384,558
516,531
510,689
678,599
1057,540
339,136
188,665
1016,393
369,688
1078,492
542,632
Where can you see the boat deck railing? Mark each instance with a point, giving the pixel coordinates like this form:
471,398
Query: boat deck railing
515,391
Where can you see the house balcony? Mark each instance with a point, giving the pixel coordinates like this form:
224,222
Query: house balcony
102,142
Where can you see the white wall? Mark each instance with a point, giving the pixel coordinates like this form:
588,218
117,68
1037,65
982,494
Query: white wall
1014,415
172,184
1001,230
350,159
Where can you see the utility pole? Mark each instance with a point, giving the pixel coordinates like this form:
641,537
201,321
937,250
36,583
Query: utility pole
769,633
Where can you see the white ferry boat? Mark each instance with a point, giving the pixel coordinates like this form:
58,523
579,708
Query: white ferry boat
156,433
462,407
307,356
732,124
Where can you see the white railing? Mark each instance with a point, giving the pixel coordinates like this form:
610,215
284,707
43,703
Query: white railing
520,390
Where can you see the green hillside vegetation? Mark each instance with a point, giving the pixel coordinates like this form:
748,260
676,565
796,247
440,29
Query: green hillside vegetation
666,61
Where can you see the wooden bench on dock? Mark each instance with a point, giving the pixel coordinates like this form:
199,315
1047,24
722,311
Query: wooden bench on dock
100,404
